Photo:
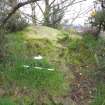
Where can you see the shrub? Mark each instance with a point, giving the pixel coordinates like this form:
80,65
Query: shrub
16,23
90,31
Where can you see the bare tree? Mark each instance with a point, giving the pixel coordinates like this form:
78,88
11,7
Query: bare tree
5,17
55,10
33,8
49,6
15,8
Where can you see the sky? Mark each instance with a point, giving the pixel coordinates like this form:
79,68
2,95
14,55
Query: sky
83,10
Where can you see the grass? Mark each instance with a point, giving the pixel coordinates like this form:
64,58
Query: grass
22,70
35,74
40,32
99,96
78,52
6,101
88,56
21,53
61,54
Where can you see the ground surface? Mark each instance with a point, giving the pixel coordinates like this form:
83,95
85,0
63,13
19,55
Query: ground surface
46,66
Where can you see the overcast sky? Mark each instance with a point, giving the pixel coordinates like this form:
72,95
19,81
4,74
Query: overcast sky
83,9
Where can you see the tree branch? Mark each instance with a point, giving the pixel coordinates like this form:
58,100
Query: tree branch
40,8
52,3
19,5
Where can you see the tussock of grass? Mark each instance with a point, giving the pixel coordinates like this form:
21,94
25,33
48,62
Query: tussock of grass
40,32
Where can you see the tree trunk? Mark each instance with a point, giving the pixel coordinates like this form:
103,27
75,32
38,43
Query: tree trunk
46,13
2,45
33,7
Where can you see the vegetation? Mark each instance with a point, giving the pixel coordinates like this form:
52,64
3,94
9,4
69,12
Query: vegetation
40,65
98,21
6,102
97,18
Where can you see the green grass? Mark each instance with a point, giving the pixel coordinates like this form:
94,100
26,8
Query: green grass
77,52
99,96
82,51
6,101
51,74
38,75
40,32
22,70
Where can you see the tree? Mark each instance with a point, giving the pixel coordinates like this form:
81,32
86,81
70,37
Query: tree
97,19
15,8
7,9
17,22
56,17
54,11
33,8
102,3
52,14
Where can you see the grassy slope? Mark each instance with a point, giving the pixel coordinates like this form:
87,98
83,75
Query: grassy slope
61,51
22,47
41,32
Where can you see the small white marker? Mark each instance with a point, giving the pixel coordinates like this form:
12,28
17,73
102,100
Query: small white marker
39,57
26,66
80,73
51,69
38,68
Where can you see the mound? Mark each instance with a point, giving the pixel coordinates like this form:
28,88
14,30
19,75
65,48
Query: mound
40,32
